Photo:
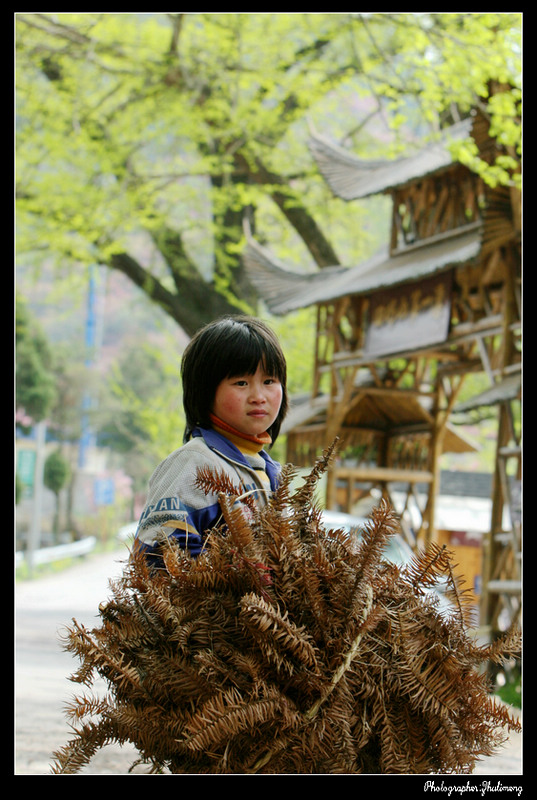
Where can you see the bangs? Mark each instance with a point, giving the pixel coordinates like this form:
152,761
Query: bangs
246,350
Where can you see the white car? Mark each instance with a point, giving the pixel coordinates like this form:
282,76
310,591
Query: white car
397,550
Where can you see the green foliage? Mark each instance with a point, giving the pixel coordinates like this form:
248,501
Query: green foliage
35,389
511,692
56,472
140,410
185,122
297,337
56,475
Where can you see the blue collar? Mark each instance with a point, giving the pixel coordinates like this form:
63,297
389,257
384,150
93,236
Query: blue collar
217,442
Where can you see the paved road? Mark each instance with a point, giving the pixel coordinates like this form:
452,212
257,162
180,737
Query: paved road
42,688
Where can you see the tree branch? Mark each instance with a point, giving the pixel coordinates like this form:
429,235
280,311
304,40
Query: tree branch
195,301
296,214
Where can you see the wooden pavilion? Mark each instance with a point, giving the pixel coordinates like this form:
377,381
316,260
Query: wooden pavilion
398,333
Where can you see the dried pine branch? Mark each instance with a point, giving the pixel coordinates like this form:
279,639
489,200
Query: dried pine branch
286,648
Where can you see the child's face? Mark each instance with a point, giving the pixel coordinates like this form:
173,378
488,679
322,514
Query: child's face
249,403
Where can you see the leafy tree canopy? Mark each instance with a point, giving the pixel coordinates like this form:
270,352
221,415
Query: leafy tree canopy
35,386
56,472
145,140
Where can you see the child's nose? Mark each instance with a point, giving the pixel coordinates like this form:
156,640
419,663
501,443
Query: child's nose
257,394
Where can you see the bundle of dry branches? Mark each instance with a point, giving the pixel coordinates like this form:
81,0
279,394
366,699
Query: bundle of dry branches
286,648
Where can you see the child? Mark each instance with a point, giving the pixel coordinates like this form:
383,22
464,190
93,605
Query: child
234,394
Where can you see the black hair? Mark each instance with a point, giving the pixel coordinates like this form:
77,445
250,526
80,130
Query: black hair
223,349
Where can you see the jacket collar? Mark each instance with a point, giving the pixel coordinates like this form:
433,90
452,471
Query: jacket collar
218,442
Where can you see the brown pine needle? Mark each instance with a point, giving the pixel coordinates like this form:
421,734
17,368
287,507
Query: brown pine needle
283,649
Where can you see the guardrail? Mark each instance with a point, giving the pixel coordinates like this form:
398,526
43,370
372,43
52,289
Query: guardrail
47,555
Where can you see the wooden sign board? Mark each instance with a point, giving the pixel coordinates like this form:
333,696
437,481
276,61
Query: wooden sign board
409,317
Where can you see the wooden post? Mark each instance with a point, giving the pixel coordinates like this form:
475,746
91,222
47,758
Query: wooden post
492,548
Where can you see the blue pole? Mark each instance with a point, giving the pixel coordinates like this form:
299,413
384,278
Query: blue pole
87,436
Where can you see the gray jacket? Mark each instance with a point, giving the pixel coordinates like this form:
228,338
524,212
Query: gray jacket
177,507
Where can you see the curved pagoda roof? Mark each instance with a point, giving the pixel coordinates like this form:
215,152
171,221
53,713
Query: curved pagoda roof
350,177
284,290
